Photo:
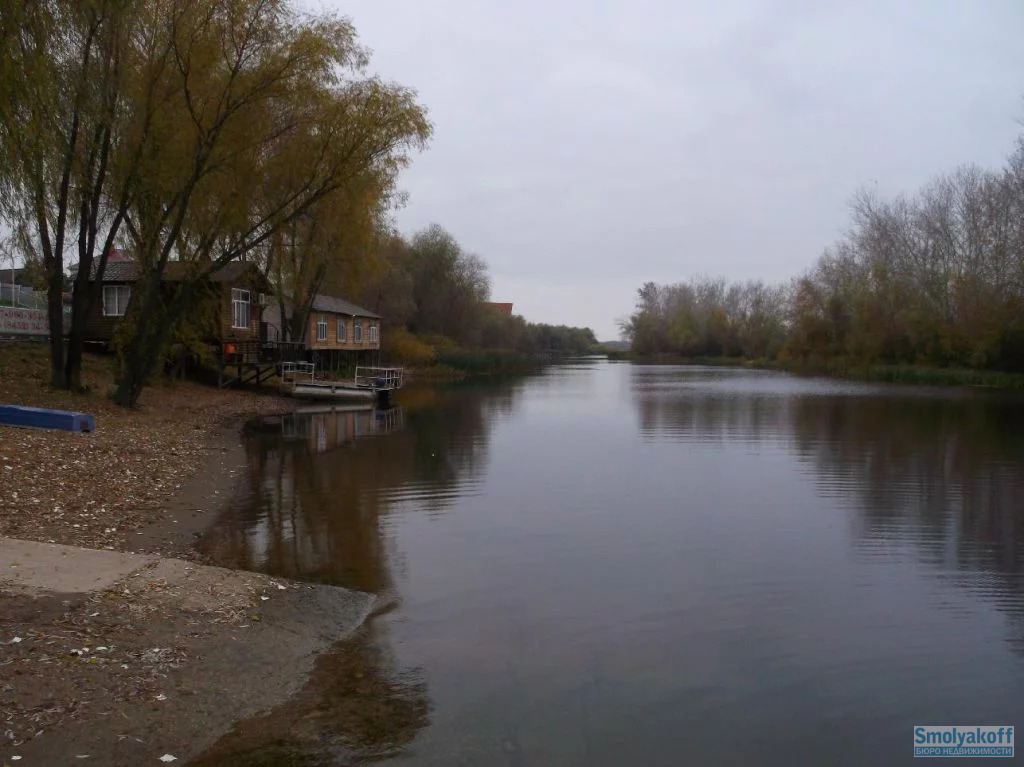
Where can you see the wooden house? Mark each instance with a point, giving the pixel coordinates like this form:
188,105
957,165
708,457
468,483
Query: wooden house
335,327
230,309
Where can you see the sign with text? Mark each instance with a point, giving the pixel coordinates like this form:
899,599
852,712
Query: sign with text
23,322
963,740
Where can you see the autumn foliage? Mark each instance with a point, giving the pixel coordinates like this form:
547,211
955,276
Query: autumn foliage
931,279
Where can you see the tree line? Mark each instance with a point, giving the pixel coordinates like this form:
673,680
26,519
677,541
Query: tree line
436,296
208,131
933,278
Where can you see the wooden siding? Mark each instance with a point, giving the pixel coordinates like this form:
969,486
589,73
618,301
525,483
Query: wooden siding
227,315
332,342
214,313
99,327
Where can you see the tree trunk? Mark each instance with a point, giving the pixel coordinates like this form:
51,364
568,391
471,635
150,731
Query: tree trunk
141,355
76,336
146,342
55,313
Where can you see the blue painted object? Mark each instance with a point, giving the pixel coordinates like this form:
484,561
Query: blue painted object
43,418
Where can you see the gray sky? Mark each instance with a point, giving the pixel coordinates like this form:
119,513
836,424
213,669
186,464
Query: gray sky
582,148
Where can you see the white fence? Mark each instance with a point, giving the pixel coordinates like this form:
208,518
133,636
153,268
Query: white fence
20,297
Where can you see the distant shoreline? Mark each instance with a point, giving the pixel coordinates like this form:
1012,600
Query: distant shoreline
905,374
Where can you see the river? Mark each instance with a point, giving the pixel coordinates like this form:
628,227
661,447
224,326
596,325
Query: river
613,564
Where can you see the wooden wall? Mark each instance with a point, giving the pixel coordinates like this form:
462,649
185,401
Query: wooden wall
332,333
214,312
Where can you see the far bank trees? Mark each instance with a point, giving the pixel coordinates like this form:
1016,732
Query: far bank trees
935,278
435,293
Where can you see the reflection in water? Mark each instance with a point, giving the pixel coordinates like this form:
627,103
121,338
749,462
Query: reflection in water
282,525
319,482
612,564
331,427
938,469
942,474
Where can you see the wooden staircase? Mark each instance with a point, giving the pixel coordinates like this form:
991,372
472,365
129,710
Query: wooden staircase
252,362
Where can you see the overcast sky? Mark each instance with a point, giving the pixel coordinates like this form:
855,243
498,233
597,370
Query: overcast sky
583,148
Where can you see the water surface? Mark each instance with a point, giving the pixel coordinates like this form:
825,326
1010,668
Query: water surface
611,564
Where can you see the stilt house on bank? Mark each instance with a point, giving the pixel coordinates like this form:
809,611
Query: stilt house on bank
336,332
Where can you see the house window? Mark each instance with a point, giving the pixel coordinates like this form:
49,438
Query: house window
115,300
341,330
321,327
373,333
357,331
241,309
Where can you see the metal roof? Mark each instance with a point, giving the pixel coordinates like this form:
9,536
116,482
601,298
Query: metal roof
128,271
322,303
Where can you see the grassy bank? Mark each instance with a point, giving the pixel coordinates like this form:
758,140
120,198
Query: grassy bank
436,357
676,359
488,362
907,374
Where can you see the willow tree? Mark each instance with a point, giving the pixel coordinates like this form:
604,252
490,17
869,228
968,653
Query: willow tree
50,54
267,113
81,82
327,248
333,245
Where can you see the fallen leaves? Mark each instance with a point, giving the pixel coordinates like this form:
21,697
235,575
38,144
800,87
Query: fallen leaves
99,490
96,489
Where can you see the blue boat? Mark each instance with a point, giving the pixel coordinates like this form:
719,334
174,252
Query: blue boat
45,418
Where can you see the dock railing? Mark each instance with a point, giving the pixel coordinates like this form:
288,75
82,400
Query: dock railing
379,379
292,371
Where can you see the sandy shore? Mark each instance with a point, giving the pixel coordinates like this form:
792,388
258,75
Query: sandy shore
113,488
166,657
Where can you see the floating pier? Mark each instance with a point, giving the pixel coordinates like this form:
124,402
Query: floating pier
368,383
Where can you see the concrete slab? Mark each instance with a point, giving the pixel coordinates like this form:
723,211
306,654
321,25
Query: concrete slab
30,566
237,644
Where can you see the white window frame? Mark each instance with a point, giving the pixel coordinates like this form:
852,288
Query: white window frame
120,305
373,332
357,332
241,308
321,327
342,330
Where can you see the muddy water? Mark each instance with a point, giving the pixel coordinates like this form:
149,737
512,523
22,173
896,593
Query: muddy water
613,564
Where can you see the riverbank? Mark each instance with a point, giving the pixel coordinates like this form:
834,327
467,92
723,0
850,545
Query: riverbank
127,664
906,374
121,659
128,485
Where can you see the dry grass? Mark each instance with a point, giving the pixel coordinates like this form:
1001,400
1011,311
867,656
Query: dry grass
95,489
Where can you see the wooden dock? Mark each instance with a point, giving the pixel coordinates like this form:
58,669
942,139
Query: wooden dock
368,383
